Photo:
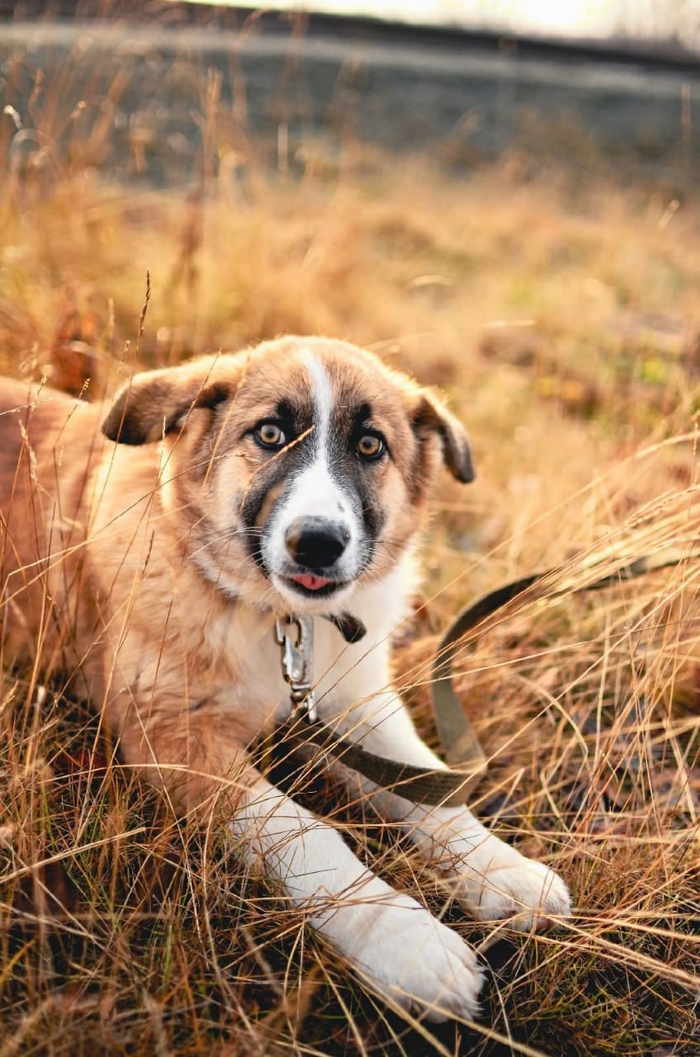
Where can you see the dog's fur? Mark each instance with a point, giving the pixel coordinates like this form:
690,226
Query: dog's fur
291,478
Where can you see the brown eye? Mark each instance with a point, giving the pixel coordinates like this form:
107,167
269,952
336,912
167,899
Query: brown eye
269,435
370,446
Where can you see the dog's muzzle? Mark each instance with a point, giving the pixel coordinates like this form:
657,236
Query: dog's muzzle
316,546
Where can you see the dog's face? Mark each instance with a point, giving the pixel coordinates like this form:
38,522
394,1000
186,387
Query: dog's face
299,469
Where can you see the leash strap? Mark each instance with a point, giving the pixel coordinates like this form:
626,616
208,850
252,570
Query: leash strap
457,736
461,746
446,787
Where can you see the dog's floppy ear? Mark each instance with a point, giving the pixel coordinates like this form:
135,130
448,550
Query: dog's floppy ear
431,416
154,403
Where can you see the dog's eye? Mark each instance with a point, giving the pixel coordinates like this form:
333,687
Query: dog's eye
370,446
269,435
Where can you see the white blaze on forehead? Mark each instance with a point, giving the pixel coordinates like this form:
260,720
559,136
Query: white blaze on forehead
322,397
317,493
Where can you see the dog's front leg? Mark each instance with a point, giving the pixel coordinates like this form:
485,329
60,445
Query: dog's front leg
395,945
490,877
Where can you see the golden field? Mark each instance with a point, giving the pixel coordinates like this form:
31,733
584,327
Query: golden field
558,312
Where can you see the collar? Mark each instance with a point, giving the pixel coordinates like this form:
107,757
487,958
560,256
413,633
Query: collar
295,636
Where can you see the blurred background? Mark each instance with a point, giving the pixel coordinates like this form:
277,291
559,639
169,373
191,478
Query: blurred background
590,82
656,20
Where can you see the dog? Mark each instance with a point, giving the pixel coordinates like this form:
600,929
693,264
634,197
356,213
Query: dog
149,553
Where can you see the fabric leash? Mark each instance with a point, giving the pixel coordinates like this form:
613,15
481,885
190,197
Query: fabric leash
461,747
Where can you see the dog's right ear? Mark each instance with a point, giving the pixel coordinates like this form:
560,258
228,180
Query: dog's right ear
157,402
432,416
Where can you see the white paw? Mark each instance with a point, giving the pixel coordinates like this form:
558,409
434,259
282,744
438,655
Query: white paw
528,893
404,954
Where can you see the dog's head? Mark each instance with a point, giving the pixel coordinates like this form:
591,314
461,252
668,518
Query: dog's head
299,469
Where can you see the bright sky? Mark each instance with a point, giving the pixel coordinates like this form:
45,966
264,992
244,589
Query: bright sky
563,16
586,18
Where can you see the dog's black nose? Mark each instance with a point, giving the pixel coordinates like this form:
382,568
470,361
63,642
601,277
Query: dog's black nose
316,543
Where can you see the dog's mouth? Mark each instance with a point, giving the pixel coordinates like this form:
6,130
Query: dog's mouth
310,581
310,585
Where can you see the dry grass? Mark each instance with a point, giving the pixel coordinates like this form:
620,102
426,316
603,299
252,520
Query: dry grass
562,320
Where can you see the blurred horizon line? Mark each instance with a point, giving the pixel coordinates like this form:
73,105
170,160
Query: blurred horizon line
664,21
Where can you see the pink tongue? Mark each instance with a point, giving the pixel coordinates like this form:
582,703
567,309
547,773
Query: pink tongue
311,582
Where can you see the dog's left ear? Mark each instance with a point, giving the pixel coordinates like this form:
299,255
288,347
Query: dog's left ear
156,402
431,416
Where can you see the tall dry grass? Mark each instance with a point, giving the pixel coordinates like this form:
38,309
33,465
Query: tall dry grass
560,316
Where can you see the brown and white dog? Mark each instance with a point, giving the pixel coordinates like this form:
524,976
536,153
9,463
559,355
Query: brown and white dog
150,560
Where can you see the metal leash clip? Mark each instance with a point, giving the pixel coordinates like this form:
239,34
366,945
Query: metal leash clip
296,637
